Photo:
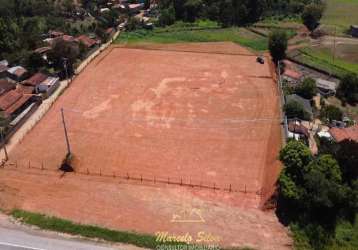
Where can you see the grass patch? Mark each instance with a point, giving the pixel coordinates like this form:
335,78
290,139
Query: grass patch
323,60
173,35
340,14
66,226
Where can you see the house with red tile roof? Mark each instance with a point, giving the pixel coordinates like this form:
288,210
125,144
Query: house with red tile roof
6,86
85,40
13,102
35,80
341,134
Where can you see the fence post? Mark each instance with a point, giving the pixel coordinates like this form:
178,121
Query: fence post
87,171
114,175
141,178
42,166
29,165
230,188
181,181
214,186
245,188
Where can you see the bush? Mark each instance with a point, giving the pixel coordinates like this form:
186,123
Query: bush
307,89
311,15
294,109
331,112
348,89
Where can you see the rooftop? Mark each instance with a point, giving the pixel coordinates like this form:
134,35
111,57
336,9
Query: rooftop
35,79
17,70
325,84
5,86
88,42
341,134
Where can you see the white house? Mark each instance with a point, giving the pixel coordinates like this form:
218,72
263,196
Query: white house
48,86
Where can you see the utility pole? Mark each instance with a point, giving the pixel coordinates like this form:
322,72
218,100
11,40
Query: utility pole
334,45
66,135
65,61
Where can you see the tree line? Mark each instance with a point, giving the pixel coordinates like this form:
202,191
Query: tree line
229,12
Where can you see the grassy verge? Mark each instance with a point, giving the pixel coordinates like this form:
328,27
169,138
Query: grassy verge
173,35
340,14
66,226
324,61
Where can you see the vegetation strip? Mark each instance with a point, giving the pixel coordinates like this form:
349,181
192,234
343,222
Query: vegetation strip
65,226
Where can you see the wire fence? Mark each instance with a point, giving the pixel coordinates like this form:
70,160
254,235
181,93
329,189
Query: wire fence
137,178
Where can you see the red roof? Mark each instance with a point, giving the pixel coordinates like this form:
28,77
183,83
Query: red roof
88,42
5,86
9,99
68,38
56,33
292,74
35,79
18,104
12,101
298,129
25,89
341,134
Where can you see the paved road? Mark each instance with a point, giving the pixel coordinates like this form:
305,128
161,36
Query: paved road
21,237
11,239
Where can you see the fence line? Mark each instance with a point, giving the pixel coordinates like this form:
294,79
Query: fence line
139,178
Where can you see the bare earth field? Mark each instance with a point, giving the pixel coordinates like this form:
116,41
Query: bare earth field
204,114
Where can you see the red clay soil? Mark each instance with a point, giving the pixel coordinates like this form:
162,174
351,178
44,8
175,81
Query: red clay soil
174,112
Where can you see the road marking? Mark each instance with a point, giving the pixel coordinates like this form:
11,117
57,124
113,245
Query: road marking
20,246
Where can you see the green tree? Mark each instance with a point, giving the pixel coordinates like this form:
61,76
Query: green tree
311,15
278,45
167,17
307,89
348,88
330,112
295,109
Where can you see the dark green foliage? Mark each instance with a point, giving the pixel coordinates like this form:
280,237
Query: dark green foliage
330,112
278,45
295,109
348,89
311,15
315,195
307,89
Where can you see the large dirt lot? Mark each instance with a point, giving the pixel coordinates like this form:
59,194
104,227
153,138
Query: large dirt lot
204,114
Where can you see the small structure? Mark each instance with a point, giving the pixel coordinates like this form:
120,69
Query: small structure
292,76
48,86
325,87
35,80
41,83
341,134
17,73
86,41
297,130
354,30
135,8
13,103
6,86
54,34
